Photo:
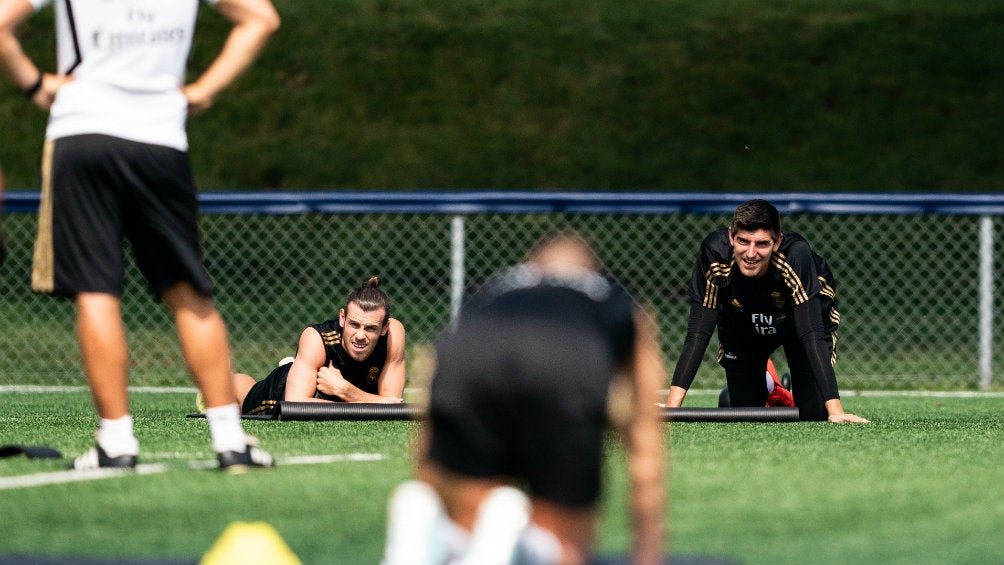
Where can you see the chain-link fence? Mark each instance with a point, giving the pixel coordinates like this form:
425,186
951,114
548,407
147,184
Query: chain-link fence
909,285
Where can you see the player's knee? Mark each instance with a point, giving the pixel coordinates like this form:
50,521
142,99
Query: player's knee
723,398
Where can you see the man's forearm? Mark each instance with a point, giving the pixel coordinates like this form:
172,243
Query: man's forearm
700,327
254,22
17,66
676,396
352,393
647,493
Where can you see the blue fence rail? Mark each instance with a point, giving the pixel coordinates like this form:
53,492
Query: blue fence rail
529,202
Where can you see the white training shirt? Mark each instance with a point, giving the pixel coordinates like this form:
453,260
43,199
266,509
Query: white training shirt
127,58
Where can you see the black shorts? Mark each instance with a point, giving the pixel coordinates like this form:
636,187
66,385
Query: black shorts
527,403
99,190
264,394
744,374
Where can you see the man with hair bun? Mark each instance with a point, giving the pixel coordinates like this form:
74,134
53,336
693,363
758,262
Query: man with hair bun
357,358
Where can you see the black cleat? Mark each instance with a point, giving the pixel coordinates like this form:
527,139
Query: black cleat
96,458
252,457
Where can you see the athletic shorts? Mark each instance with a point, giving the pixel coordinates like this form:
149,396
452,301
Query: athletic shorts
744,374
99,190
524,402
264,394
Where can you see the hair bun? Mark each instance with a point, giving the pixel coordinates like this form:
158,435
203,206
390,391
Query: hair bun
373,282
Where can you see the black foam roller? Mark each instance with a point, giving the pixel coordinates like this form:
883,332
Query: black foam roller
735,414
290,411
345,411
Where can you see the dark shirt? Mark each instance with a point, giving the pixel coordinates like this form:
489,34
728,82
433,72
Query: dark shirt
365,375
583,301
794,299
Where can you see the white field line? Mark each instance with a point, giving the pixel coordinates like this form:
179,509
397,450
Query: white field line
81,388
153,389
886,393
926,393
73,476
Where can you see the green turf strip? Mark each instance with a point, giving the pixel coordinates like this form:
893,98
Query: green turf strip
922,483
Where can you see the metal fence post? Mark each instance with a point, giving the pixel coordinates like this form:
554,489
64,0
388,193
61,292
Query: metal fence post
986,301
456,266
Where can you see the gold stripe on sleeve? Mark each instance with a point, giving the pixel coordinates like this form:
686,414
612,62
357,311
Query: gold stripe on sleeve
791,280
714,272
43,272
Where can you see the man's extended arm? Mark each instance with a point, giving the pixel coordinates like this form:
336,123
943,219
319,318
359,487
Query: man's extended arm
40,87
254,21
301,382
809,327
393,377
700,327
21,70
644,437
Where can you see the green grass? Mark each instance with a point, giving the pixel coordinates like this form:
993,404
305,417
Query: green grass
920,484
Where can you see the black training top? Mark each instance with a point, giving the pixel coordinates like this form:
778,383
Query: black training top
580,300
366,374
755,316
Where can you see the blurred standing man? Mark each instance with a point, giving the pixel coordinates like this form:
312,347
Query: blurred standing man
763,289
519,397
116,165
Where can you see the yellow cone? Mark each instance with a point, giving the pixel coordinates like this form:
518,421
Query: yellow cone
250,543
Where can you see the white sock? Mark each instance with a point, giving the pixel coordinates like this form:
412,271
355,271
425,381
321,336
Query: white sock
225,428
770,384
538,546
418,530
116,436
503,516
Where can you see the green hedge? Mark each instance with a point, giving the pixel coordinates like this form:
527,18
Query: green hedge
596,94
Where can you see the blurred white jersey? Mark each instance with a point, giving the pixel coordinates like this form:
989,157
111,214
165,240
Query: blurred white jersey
127,59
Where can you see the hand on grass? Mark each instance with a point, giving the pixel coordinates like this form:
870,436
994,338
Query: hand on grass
845,418
837,414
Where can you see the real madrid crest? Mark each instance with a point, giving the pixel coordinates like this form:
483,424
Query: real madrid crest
778,299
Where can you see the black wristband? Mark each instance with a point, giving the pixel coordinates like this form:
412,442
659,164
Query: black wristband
30,92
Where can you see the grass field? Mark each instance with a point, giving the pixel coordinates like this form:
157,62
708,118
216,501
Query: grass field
921,484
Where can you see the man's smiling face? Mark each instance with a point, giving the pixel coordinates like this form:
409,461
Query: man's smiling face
752,250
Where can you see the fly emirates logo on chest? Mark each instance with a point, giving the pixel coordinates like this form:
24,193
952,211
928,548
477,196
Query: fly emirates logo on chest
137,27
765,324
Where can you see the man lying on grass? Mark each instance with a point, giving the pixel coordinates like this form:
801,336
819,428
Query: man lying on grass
357,358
